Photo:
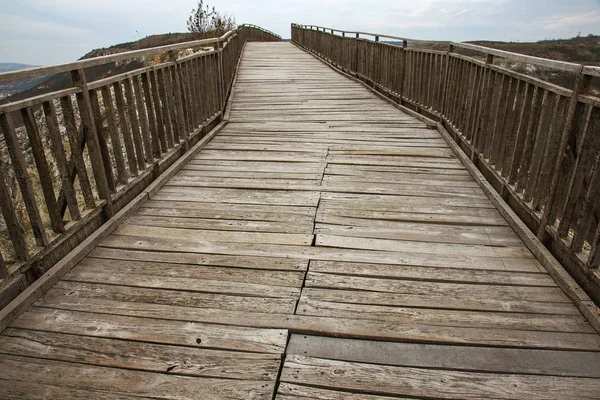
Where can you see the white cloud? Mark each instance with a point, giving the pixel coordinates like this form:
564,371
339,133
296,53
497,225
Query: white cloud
572,21
22,26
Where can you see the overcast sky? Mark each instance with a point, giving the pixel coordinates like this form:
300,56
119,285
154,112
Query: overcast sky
42,32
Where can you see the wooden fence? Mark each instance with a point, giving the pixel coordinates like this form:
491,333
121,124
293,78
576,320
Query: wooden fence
76,156
538,143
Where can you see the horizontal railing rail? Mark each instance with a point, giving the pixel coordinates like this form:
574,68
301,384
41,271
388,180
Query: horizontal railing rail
538,143
72,158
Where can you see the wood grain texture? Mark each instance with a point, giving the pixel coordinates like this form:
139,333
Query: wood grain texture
317,211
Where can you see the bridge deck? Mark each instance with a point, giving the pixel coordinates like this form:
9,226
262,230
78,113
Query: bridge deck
320,214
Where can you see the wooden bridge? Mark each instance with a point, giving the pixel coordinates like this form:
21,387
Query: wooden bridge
307,239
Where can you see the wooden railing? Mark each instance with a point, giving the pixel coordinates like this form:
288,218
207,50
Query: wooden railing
537,143
72,158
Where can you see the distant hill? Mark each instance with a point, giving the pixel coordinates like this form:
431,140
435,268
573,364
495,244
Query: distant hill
8,89
7,67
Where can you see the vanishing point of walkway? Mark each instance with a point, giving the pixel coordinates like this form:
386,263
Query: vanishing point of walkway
324,245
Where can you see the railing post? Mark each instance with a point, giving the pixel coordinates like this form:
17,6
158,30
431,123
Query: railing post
89,131
356,55
15,229
183,134
580,83
445,82
3,270
403,70
484,107
23,179
221,83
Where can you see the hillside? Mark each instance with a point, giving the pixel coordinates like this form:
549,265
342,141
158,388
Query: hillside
581,50
62,81
8,89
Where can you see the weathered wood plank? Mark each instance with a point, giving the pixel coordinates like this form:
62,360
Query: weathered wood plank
118,382
139,356
483,359
154,330
408,381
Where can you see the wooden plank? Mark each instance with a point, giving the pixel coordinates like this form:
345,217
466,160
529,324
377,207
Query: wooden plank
33,390
217,236
268,212
239,196
483,359
199,335
391,271
371,200
210,272
424,232
132,355
283,263
193,297
437,300
357,217
408,381
197,180
249,225
445,317
189,284
317,253
455,290
119,382
352,328
289,391
440,249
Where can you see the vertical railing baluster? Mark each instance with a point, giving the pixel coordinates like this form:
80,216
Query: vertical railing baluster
581,81
91,135
77,144
46,180
125,129
13,225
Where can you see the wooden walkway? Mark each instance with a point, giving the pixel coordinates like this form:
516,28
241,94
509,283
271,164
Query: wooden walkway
324,245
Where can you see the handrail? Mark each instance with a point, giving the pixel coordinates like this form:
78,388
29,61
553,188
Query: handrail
72,158
545,62
537,143
376,35
127,55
